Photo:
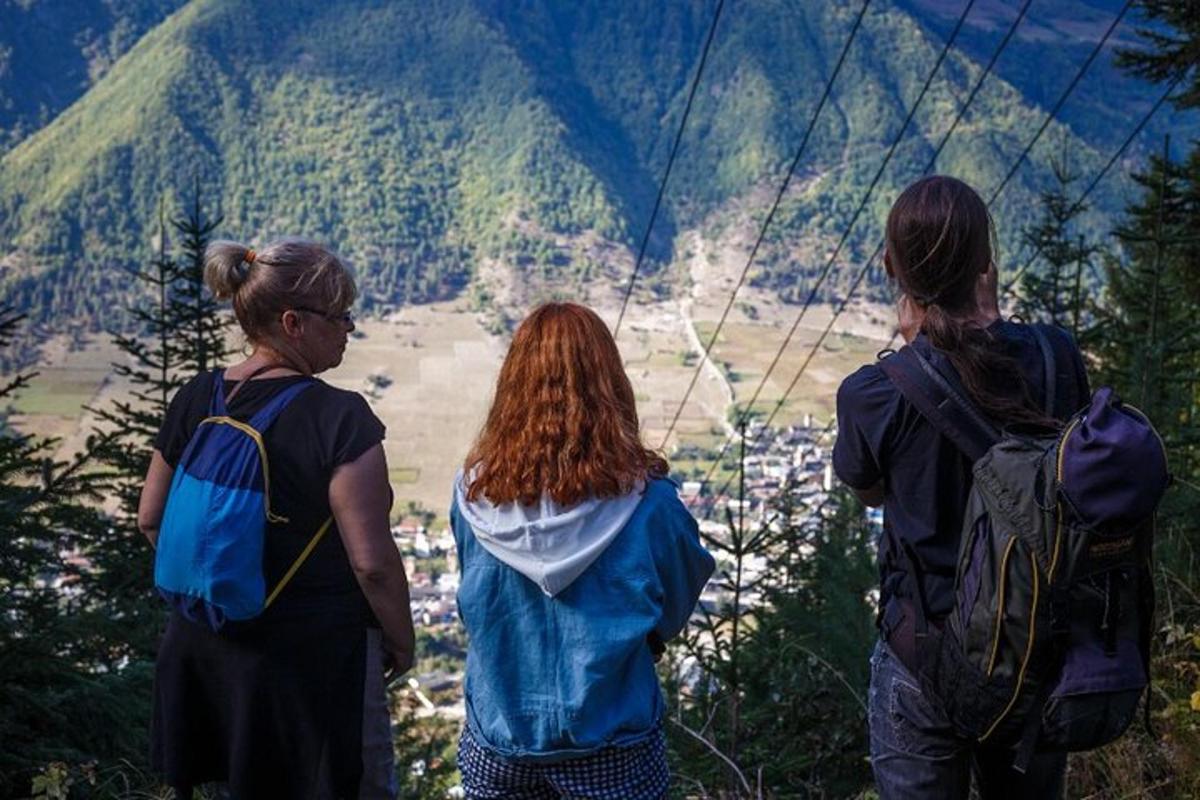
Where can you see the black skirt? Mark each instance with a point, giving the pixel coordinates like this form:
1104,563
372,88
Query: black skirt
273,707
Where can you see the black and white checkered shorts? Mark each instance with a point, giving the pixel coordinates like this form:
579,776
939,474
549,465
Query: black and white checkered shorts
637,772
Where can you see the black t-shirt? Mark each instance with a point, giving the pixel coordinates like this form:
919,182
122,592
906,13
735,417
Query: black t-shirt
319,430
881,436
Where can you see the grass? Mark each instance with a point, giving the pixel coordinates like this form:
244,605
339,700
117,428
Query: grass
404,474
58,391
750,347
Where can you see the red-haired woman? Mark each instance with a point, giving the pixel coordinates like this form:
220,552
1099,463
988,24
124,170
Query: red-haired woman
576,554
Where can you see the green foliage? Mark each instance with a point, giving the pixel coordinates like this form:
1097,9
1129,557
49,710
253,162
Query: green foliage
775,706
1167,50
1052,286
425,748
81,620
180,333
68,691
1144,342
49,58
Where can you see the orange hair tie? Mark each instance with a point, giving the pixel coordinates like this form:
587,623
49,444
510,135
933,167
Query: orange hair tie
250,256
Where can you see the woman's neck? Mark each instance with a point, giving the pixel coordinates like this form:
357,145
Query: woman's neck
268,362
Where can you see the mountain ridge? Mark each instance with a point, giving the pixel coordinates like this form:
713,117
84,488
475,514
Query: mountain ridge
421,138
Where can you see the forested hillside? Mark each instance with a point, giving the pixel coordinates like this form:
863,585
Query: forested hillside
422,138
49,58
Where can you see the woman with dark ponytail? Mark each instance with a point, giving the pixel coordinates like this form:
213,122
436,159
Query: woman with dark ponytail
939,251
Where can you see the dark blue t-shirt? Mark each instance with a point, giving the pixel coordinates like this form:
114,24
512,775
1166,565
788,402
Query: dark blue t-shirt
882,437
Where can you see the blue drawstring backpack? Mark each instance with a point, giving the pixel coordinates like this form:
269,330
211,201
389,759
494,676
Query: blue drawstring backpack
209,561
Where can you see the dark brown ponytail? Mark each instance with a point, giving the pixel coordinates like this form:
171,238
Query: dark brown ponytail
939,242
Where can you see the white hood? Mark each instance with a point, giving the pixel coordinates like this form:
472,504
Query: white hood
549,544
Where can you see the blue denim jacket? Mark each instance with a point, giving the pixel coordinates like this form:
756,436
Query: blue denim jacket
560,668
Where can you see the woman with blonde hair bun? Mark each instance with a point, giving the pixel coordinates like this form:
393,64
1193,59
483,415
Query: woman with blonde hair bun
281,694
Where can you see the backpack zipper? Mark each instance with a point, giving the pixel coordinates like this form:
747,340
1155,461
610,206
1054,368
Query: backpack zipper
1058,476
1028,650
262,453
1036,587
1000,605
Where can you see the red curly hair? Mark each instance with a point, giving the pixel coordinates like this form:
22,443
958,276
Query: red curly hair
564,421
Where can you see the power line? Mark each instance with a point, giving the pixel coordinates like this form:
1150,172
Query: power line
978,85
866,267
687,110
1061,100
879,249
858,212
1057,106
862,273
770,216
1078,205
711,506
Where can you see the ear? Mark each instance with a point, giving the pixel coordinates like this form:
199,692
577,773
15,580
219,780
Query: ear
290,323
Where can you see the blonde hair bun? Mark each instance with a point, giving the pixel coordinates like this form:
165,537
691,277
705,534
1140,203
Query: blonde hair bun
225,267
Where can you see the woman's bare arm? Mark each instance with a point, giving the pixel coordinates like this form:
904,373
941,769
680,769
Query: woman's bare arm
361,499
154,497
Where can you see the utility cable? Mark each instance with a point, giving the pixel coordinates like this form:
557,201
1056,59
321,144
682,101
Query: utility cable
711,507
687,110
1078,205
879,249
1061,100
770,216
857,213
929,166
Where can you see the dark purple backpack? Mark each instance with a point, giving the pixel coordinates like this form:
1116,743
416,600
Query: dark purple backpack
1048,644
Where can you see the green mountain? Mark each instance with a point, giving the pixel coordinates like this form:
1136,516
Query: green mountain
423,138
51,54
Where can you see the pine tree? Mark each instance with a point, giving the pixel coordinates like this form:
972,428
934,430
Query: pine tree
807,658
202,340
1146,342
179,333
154,371
1051,288
1170,48
62,697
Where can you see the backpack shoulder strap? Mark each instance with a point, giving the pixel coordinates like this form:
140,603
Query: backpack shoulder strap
216,405
1049,370
939,402
1068,366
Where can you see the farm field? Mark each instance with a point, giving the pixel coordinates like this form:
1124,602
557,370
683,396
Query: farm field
428,371
746,350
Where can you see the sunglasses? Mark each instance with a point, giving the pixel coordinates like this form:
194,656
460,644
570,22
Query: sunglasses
345,318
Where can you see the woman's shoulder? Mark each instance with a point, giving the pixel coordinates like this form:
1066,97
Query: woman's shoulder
337,397
339,420
200,383
661,491
328,405
867,377
193,397
662,504
867,390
